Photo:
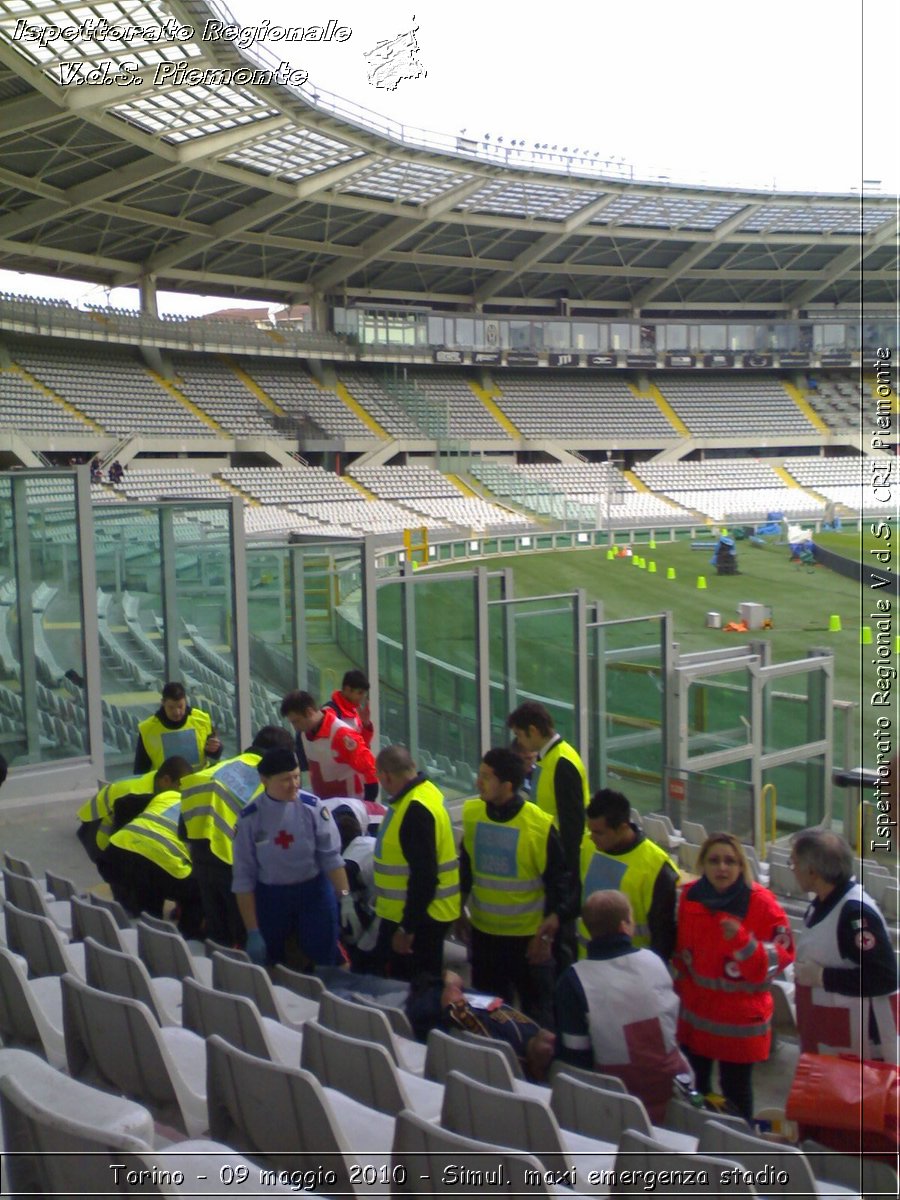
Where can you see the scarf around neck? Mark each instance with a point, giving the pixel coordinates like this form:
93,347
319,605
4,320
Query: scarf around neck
734,900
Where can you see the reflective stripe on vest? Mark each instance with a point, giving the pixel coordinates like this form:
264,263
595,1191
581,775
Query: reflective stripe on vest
721,1029
106,798
633,873
154,835
508,862
212,801
543,793
391,869
188,741
723,985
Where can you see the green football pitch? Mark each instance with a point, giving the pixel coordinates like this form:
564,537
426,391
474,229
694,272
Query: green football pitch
803,599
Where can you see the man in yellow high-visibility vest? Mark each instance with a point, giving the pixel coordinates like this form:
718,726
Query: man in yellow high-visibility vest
559,786
147,863
616,854
416,870
513,874
176,728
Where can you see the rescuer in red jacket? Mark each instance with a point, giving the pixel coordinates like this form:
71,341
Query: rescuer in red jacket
733,939
340,763
351,703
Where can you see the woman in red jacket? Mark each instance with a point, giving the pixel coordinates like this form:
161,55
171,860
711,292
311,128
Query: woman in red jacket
733,938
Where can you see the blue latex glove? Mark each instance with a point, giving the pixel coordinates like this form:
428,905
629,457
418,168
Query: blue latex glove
256,948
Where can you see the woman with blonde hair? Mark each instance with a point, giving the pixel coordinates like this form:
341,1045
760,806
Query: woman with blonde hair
733,938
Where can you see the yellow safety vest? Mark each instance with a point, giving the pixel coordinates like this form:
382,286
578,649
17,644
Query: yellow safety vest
508,861
187,742
212,800
101,806
392,869
544,793
633,873
154,835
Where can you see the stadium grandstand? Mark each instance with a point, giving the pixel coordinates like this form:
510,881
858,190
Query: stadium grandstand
469,354
468,343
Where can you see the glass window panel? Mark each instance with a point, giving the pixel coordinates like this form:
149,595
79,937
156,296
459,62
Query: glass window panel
832,336
465,332
586,335
742,337
557,335
713,337
624,337
520,335
786,337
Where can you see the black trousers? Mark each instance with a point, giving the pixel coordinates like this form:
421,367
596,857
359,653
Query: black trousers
500,966
220,910
427,956
87,835
735,1081
140,885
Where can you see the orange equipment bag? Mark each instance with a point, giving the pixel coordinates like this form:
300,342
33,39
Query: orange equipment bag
846,1093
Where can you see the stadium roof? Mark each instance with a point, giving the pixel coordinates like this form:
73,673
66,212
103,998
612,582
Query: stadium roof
163,166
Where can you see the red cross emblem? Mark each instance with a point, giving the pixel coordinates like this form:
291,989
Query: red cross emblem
284,839
821,1025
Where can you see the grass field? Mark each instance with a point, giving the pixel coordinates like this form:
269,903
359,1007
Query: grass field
857,544
802,599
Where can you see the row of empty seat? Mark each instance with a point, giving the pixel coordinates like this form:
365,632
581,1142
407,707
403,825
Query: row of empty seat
115,390
213,1046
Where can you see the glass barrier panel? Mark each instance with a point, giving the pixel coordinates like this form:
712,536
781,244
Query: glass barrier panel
446,640
270,624
627,707
57,618
204,612
130,609
393,722
793,711
719,713
13,741
533,657
720,800
799,795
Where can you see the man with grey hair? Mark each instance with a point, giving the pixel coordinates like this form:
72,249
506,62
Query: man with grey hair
416,870
616,1010
845,973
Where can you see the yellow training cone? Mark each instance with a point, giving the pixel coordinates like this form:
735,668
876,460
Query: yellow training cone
865,635
651,567
652,544
834,623
642,563
610,554
701,583
670,572
897,644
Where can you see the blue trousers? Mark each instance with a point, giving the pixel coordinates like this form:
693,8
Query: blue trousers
308,910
